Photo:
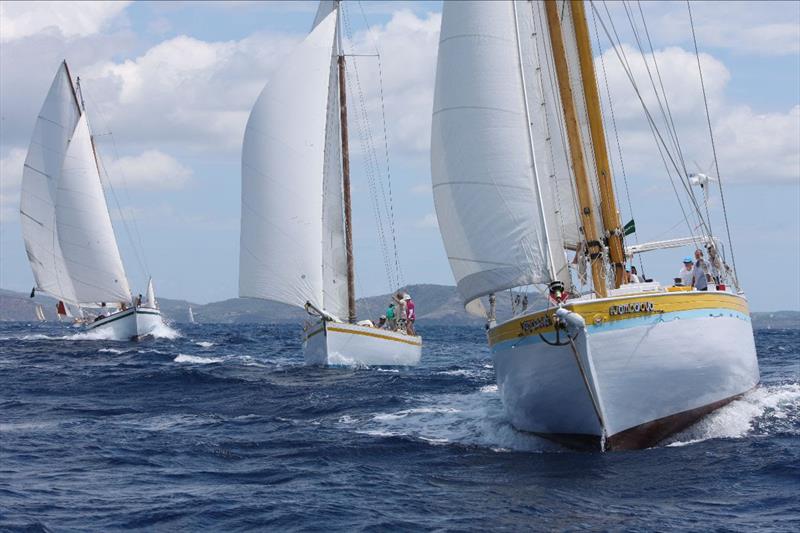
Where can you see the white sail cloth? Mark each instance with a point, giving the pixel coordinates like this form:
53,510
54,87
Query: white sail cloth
483,165
284,244
66,224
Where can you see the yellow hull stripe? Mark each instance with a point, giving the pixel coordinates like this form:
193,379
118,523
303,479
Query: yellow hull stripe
376,335
609,310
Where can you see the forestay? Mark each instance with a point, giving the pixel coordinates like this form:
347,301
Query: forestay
283,165
486,156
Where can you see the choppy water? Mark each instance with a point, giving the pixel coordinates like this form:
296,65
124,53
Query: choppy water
222,427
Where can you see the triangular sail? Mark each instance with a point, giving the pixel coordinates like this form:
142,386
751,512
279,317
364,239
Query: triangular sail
283,162
54,126
484,175
85,233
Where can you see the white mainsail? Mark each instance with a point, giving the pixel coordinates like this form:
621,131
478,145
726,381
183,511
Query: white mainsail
65,221
282,250
54,126
484,156
85,233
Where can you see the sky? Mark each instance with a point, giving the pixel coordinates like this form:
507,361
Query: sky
169,87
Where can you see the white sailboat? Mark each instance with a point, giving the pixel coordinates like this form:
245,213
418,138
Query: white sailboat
296,238
66,225
40,313
521,179
191,316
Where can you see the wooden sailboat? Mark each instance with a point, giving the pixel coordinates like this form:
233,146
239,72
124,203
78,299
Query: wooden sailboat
66,226
521,178
296,234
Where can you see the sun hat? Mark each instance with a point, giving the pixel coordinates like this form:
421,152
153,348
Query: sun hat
687,259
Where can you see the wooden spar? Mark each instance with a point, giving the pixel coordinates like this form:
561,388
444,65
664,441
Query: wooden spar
608,203
348,210
576,151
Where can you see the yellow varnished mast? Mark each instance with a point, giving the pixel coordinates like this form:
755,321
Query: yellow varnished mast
608,203
586,206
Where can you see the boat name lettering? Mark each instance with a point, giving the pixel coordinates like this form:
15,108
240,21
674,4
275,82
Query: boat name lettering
529,326
636,307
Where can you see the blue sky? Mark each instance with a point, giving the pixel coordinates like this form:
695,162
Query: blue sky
174,83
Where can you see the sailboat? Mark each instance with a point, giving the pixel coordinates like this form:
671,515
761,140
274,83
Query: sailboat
191,315
40,313
296,231
66,225
522,182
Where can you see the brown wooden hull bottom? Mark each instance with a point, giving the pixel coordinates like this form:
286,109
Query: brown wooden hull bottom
643,436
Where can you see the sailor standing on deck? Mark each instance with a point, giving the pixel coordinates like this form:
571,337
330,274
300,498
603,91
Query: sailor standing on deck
686,275
700,271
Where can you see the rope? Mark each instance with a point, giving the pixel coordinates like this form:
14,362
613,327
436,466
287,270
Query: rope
711,135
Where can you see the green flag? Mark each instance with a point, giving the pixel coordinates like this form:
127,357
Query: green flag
629,228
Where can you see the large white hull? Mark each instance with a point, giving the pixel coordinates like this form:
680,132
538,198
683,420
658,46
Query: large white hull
639,378
131,324
334,343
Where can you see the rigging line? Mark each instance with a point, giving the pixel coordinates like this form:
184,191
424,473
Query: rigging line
141,260
711,135
661,82
653,127
398,268
672,135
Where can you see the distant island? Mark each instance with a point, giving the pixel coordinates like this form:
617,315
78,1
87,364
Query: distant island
435,304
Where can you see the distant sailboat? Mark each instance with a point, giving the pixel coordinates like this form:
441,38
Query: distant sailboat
521,176
191,316
66,226
296,235
40,313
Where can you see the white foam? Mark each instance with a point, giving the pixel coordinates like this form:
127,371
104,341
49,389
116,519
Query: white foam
111,350
759,412
183,358
204,344
163,331
475,419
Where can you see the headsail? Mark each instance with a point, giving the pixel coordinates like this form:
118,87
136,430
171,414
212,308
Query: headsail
51,134
85,233
283,163
483,166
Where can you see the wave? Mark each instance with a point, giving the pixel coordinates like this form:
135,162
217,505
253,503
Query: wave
204,344
163,331
184,358
766,410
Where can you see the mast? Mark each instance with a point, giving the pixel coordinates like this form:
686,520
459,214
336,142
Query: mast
608,202
576,153
348,211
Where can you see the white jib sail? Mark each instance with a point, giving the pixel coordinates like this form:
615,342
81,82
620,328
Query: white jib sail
42,171
283,159
85,233
481,165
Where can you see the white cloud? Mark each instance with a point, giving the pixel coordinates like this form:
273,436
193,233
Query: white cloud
71,19
151,169
10,178
429,221
421,189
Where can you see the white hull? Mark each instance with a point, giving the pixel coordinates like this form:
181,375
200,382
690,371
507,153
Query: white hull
333,343
643,377
131,324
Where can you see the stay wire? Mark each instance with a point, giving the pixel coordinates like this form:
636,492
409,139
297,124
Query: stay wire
713,145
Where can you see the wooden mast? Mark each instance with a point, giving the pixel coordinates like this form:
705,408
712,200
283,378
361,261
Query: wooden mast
576,151
608,203
348,211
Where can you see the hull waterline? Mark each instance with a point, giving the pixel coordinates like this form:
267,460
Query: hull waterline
131,324
630,380
339,344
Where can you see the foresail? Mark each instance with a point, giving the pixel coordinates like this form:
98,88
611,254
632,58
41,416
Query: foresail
334,253
283,159
482,171
51,134
85,233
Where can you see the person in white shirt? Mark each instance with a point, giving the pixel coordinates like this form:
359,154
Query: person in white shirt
634,277
686,275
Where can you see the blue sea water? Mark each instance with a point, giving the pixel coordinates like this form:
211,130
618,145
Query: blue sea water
221,427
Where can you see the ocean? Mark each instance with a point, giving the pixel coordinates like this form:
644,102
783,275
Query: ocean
221,427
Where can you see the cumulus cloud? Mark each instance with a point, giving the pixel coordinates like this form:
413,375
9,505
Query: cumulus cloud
151,170
69,19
